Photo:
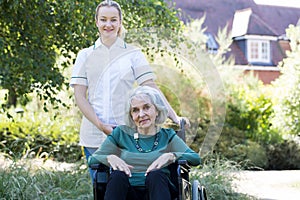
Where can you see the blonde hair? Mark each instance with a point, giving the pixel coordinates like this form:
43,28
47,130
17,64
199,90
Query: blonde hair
114,4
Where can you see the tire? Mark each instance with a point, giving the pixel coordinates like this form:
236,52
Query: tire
198,191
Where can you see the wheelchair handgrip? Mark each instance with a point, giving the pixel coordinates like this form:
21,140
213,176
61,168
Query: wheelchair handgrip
181,131
182,124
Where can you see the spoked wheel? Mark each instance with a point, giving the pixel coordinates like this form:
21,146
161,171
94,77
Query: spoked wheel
198,191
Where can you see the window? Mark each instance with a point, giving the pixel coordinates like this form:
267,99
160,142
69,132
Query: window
258,51
211,44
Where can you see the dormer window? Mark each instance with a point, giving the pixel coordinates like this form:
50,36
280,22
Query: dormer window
258,51
211,44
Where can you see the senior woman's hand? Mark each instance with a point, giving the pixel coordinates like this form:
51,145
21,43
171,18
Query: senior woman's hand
161,161
118,164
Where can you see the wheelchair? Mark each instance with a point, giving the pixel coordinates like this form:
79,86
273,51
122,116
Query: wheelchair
179,177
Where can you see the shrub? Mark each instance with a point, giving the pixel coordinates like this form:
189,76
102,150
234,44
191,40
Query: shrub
251,154
287,93
284,156
250,109
40,134
234,145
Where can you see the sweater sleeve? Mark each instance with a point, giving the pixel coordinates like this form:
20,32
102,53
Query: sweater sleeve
183,152
108,147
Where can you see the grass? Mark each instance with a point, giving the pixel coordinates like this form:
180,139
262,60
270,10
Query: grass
218,177
22,181
25,182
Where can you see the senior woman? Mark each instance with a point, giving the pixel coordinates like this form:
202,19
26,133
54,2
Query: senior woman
140,151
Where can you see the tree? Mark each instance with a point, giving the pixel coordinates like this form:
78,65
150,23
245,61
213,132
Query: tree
34,33
288,87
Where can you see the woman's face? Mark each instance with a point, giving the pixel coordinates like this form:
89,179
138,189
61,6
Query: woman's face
143,113
108,22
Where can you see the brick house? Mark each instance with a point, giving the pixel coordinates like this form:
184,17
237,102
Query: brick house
258,31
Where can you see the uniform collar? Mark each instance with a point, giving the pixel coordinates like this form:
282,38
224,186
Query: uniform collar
118,43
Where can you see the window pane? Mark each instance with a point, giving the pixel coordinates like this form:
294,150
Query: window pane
258,51
264,50
254,50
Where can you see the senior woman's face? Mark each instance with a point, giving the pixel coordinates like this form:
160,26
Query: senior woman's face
143,113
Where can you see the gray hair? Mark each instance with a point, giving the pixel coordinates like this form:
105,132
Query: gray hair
156,99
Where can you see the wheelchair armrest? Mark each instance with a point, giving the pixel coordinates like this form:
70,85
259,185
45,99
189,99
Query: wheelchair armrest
101,173
179,174
183,169
184,164
99,167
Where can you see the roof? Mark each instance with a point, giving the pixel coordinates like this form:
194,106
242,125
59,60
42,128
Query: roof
218,13
244,18
245,22
278,17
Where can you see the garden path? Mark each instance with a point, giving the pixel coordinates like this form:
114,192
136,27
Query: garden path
270,185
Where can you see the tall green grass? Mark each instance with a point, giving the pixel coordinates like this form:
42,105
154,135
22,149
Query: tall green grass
23,183
218,176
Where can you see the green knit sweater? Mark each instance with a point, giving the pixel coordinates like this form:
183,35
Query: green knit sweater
121,142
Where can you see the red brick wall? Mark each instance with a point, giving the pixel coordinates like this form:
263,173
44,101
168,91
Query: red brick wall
266,76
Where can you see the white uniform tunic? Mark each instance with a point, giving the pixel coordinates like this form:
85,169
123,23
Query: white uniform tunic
109,74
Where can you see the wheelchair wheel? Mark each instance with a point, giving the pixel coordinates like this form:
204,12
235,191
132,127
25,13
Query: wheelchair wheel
198,191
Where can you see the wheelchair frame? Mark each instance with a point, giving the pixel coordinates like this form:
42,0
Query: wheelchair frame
185,190
179,177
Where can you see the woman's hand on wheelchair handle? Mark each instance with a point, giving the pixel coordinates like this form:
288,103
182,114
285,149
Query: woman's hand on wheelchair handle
185,122
118,164
161,161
